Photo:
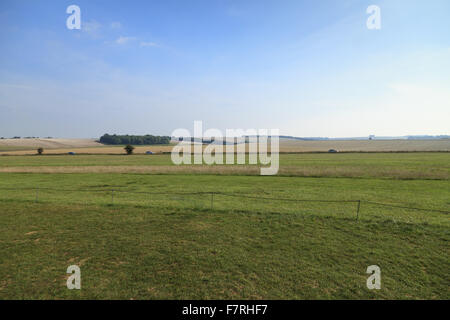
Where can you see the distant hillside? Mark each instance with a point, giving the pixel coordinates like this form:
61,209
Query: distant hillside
417,137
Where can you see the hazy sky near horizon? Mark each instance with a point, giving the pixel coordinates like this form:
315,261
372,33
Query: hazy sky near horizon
308,68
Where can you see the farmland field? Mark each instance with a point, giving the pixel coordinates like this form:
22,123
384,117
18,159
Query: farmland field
50,143
90,146
217,232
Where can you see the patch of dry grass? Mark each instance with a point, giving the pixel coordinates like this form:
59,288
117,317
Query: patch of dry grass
195,169
357,172
295,171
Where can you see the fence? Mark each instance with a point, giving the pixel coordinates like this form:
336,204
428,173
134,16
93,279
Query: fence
209,200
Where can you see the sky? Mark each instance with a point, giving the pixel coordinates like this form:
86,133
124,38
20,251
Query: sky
307,68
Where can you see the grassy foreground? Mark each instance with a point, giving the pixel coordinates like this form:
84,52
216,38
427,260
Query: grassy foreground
139,253
152,239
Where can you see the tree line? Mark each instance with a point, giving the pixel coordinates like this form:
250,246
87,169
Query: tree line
133,140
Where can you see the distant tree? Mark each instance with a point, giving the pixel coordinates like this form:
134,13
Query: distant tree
134,140
129,149
40,150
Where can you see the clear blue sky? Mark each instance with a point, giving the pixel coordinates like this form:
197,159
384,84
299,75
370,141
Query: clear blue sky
308,68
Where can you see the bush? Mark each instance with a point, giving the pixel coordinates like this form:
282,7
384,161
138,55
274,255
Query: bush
40,150
129,149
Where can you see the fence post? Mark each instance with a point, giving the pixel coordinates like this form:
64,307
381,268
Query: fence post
357,210
112,197
212,200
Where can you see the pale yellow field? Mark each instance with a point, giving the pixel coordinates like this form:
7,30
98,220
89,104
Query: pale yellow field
33,144
93,150
89,146
365,145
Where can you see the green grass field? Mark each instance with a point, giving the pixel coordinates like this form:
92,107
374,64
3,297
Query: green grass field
153,239
419,165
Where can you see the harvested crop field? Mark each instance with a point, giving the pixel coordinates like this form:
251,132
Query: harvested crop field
287,145
89,146
102,149
34,143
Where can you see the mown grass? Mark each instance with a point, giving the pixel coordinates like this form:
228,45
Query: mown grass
140,253
153,241
378,165
432,194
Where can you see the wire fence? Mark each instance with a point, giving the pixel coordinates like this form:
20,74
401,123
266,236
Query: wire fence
212,200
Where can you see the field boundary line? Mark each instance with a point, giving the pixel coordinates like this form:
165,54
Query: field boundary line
285,199
212,193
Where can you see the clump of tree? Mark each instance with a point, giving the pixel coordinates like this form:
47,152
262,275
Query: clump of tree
40,150
129,149
135,140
